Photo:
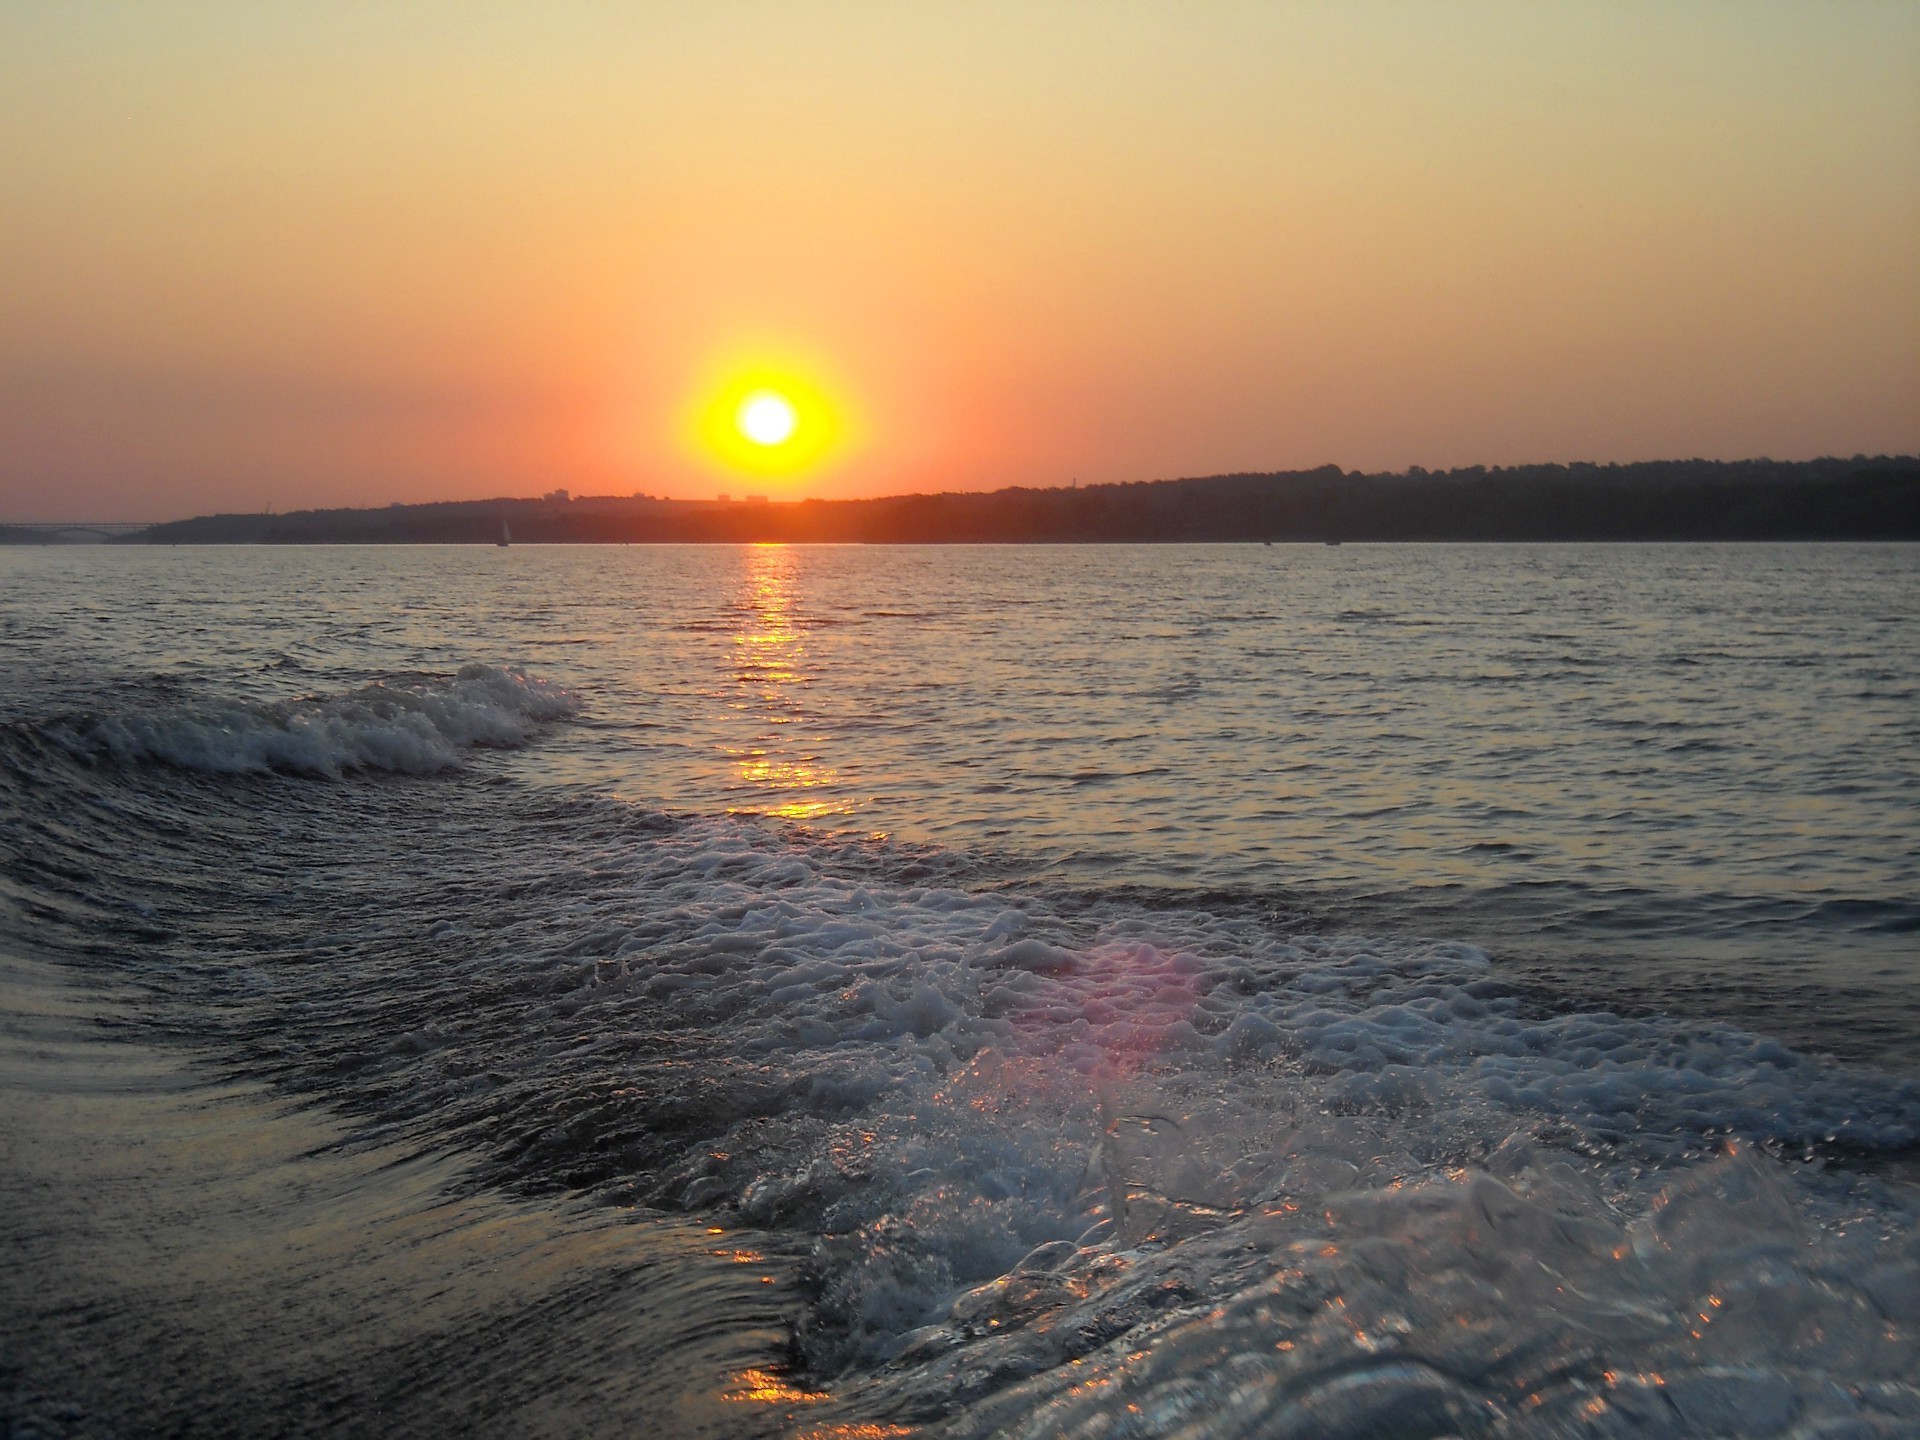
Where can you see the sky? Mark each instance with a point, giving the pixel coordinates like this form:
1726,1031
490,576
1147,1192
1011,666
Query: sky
259,255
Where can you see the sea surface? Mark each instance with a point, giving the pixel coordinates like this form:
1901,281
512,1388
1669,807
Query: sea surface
853,991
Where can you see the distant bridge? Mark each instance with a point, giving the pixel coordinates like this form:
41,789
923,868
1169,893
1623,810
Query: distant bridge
68,532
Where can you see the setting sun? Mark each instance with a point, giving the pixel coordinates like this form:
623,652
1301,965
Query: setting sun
773,418
767,418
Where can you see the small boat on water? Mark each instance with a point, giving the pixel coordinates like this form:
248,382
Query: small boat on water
506,536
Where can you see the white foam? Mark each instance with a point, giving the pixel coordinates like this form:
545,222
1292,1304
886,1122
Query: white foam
414,728
937,1082
1051,1148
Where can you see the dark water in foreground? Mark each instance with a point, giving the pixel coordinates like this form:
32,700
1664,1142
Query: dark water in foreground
1384,990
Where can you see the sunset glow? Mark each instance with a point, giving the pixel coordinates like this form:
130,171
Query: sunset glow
768,421
333,256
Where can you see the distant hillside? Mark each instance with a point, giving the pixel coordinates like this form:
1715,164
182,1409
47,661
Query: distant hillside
1865,498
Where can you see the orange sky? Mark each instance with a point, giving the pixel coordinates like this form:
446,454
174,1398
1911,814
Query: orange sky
298,255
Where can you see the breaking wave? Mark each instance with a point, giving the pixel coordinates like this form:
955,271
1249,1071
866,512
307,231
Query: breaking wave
1062,1162
415,728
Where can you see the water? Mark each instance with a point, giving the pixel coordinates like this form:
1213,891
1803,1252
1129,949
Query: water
1460,989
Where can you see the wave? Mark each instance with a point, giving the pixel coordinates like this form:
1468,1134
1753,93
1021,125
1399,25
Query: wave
415,728
1053,1152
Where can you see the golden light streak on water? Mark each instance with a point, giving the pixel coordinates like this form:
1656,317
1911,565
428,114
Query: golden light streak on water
766,1387
769,655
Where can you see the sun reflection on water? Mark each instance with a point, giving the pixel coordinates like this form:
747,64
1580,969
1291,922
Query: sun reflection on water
768,1387
769,659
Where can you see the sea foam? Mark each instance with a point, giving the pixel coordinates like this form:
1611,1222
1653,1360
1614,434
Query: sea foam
1063,1163
1059,1158
415,728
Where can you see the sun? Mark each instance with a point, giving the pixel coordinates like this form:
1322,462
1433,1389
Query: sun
767,417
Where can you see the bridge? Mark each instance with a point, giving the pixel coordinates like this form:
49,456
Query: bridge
68,532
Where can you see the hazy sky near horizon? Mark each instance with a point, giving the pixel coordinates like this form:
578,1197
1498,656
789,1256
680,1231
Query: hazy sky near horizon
315,254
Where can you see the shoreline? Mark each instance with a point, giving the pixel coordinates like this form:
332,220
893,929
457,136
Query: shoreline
1835,499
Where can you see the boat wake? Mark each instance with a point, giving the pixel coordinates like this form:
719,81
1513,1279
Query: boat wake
1057,1164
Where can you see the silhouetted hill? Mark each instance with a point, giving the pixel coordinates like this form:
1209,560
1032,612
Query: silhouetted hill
1864,498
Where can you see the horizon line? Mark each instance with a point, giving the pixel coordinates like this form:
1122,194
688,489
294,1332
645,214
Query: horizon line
562,495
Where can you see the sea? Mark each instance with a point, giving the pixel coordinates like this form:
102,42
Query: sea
1097,991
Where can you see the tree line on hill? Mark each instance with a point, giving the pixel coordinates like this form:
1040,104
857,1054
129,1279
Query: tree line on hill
1863,498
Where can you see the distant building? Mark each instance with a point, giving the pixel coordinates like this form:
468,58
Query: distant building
723,499
756,499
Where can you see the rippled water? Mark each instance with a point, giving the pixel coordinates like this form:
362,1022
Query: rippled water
1134,990
1665,775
